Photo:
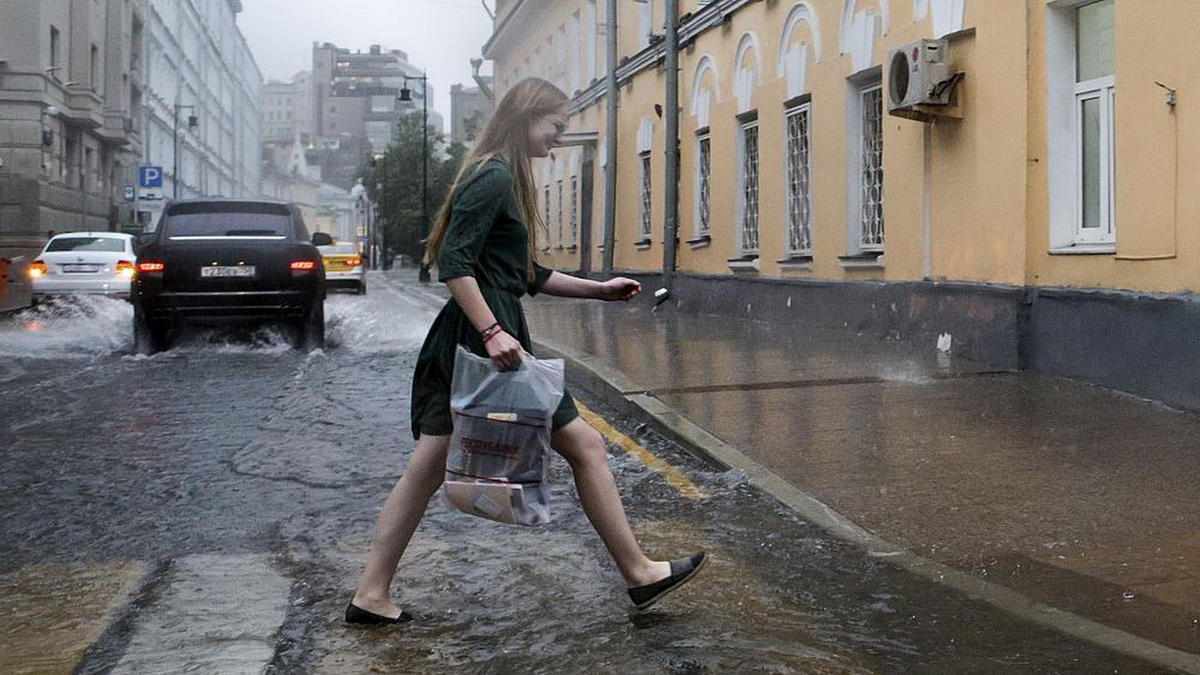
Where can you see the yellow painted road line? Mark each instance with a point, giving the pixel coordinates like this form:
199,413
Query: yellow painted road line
51,613
673,476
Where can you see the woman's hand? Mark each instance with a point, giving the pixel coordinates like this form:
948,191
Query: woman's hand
619,288
504,350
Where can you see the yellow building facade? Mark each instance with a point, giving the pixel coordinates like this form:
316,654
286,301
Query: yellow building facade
1057,173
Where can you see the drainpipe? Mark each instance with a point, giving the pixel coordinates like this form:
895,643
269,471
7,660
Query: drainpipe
610,138
671,205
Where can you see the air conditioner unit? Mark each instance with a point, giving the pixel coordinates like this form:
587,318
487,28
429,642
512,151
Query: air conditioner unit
919,75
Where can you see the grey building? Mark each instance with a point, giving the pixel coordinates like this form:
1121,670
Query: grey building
287,110
355,106
71,86
470,108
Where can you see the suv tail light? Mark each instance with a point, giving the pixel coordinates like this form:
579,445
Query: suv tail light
37,268
303,265
150,267
124,268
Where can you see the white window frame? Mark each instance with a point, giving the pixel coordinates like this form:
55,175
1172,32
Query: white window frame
1100,89
1064,157
748,213
804,235
858,87
702,216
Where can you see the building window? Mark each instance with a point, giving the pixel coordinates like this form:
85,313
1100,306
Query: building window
799,171
560,213
748,212
55,48
645,202
870,181
94,68
703,183
574,232
1094,122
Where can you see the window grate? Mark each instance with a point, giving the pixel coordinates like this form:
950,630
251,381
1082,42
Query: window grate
750,189
560,213
645,197
705,190
799,199
574,211
871,217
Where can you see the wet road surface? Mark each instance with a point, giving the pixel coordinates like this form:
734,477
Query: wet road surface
209,508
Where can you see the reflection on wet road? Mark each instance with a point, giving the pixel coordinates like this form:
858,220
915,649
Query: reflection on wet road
210,507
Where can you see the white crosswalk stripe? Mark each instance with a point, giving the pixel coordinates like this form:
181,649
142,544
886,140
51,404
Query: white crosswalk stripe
219,614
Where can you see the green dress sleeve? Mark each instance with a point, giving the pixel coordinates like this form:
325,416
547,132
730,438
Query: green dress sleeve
472,213
540,276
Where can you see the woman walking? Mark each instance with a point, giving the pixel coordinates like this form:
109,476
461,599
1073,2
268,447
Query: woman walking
484,242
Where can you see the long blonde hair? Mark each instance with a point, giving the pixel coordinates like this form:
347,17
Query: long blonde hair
507,135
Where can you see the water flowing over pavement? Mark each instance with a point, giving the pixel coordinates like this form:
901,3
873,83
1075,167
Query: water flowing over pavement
209,508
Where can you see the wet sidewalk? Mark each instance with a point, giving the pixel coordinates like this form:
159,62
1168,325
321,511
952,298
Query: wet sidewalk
1066,504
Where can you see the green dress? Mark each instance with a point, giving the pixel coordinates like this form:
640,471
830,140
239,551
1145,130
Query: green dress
486,239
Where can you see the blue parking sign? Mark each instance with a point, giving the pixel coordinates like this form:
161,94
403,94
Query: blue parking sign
150,182
150,177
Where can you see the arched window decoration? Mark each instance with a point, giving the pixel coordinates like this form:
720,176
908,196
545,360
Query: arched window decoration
947,15
801,37
747,75
862,21
705,88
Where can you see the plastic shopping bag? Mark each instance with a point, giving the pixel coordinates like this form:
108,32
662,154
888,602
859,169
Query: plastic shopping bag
496,464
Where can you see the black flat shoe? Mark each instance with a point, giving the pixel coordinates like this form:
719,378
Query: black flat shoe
682,571
359,616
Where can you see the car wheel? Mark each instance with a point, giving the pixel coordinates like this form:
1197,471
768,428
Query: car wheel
149,336
310,333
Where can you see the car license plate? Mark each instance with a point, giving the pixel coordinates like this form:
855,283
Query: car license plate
80,267
227,271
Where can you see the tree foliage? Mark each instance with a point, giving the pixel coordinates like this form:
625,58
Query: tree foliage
394,182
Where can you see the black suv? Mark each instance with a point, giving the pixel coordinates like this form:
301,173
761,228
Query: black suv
228,261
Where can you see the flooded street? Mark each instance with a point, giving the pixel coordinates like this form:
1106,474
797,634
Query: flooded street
208,509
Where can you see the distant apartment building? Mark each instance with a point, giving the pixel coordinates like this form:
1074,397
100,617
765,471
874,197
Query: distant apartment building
356,107
71,87
287,109
470,108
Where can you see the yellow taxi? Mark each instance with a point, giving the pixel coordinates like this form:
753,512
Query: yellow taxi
343,267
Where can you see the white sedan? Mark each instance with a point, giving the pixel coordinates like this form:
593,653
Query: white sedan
94,263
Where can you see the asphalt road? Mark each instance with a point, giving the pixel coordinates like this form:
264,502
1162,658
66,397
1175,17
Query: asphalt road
208,509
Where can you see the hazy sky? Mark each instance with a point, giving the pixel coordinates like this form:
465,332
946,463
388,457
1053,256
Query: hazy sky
439,35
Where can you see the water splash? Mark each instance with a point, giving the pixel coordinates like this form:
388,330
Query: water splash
80,327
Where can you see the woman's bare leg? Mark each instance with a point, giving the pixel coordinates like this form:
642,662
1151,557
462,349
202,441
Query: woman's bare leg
401,514
583,447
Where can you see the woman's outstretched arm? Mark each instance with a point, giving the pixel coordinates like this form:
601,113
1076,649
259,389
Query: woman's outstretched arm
567,286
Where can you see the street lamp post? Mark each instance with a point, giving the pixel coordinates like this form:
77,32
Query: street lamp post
193,122
406,95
